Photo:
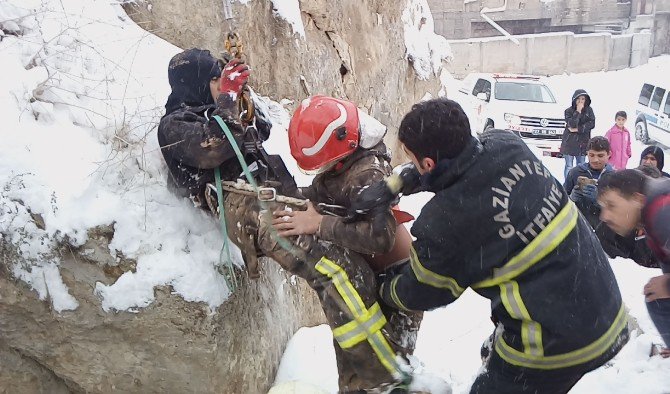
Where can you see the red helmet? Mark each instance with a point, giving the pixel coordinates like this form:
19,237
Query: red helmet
323,130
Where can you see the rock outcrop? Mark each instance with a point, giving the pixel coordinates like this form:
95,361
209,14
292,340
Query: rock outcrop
172,346
352,49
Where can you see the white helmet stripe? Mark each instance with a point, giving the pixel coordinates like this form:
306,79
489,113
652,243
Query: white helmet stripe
332,126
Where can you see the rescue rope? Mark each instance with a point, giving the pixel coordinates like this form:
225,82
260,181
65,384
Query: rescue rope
254,186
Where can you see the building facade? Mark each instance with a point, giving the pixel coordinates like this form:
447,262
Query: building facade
461,19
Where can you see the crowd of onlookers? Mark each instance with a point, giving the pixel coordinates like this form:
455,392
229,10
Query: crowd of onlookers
623,206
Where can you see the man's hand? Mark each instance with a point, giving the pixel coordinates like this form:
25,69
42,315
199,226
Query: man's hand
573,129
372,198
657,288
577,194
233,78
289,223
410,179
580,107
590,192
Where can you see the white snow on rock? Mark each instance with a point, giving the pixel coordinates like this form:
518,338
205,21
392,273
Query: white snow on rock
289,10
372,130
425,49
82,89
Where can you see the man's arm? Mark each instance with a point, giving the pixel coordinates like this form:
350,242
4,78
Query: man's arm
660,226
197,141
374,233
572,118
429,281
588,120
570,180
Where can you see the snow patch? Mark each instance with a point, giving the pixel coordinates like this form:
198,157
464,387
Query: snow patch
372,130
289,10
425,49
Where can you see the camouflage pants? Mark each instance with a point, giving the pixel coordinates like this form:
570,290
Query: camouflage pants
366,339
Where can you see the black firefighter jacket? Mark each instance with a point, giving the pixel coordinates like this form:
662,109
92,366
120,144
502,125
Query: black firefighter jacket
501,224
575,144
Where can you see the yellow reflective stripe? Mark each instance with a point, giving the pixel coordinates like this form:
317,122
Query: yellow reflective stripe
431,278
354,332
356,306
394,295
531,331
343,285
575,357
548,239
385,354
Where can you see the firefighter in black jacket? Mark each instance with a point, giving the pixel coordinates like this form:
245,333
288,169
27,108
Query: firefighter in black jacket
502,225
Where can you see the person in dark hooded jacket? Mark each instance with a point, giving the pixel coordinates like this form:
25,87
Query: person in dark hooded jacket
191,141
653,156
579,121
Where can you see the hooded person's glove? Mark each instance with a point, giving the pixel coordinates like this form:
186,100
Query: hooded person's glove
380,196
233,78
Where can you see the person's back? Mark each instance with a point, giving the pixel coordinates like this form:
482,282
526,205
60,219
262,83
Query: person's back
501,224
505,214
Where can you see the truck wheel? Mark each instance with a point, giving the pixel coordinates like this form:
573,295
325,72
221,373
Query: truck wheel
641,133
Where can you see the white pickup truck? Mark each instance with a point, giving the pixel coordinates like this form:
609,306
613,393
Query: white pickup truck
521,104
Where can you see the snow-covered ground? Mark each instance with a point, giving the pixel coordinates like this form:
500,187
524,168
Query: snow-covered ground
81,91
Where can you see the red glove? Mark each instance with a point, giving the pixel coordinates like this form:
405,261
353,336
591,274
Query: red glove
235,74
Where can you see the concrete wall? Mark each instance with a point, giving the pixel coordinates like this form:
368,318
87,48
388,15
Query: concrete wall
621,52
641,49
456,20
550,54
661,34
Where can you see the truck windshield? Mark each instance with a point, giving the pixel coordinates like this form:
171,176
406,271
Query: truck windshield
520,91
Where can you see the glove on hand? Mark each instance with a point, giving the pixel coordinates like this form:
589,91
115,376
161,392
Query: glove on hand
577,194
410,179
590,192
372,198
381,195
233,78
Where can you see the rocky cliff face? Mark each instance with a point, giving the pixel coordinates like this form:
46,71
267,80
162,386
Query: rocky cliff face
170,346
352,49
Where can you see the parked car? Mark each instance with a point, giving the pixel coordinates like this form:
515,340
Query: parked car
652,115
521,104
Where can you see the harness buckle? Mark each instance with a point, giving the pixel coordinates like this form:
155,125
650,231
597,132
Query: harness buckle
267,194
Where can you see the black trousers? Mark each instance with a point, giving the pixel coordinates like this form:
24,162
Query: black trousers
503,378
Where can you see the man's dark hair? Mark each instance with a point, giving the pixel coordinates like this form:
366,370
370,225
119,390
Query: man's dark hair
437,129
621,114
598,144
627,182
